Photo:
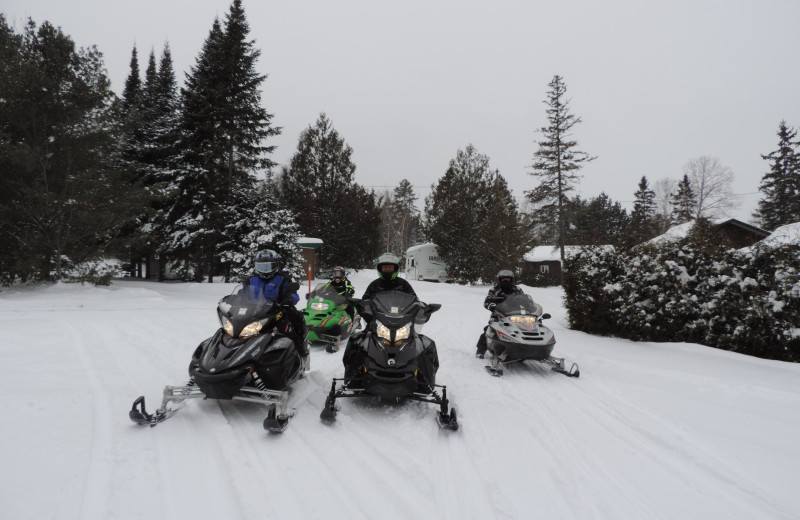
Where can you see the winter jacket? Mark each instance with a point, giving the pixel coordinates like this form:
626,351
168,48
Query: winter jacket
273,288
497,295
381,285
344,288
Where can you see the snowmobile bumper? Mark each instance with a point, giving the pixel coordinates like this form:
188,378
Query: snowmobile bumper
220,386
520,351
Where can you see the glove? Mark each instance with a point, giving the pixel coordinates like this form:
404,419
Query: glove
287,301
491,306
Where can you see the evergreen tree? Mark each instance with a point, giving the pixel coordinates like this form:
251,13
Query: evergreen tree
400,219
641,226
61,204
780,186
557,161
223,133
600,221
472,218
683,202
320,186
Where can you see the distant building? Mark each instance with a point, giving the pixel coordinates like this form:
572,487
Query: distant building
733,233
541,265
310,248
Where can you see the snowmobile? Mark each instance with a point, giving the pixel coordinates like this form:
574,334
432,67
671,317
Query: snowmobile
326,318
516,333
391,359
247,359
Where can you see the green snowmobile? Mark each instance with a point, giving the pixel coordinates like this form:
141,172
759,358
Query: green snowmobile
326,318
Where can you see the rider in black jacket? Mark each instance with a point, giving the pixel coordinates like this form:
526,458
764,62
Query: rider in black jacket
505,287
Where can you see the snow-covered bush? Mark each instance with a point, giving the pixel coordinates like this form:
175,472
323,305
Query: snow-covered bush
746,302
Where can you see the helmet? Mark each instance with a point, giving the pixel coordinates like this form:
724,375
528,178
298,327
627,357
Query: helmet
338,272
267,262
505,278
387,259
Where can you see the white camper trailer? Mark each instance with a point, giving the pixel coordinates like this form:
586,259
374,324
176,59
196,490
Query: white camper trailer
424,263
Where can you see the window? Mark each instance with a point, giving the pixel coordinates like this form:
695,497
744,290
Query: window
544,269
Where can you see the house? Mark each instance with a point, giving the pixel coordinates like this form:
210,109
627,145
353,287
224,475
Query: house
541,266
732,233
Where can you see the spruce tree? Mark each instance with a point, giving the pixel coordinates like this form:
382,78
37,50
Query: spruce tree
557,161
400,219
683,202
780,186
600,221
224,129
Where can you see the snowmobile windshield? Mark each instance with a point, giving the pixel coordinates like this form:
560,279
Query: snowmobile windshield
244,312
519,304
328,293
394,308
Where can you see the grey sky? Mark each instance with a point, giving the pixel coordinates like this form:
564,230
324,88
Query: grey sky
408,84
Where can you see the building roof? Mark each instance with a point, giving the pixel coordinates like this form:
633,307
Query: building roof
553,253
310,243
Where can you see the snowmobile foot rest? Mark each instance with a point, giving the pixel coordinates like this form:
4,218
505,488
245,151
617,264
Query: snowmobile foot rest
497,372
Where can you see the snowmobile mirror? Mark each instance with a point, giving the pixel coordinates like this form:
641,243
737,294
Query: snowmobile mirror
433,307
546,316
307,296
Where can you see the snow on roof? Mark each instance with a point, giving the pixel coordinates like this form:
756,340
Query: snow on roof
673,234
309,241
553,253
787,234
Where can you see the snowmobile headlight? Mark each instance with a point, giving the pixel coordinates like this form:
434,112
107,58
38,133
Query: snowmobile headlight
319,306
227,326
384,333
523,322
251,330
401,334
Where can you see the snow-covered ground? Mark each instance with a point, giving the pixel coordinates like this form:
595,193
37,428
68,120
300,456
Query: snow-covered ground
649,431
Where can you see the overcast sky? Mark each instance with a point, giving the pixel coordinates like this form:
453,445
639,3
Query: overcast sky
407,84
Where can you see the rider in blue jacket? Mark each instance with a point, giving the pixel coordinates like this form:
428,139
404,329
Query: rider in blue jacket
269,282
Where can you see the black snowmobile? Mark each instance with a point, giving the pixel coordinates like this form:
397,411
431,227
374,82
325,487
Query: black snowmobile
390,359
516,333
247,359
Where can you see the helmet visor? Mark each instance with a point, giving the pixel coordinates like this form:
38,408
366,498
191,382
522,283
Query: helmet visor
265,267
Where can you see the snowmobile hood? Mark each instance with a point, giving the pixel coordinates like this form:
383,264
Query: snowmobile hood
394,308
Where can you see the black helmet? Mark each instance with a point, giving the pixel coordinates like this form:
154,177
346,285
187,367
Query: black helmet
267,262
505,278
388,259
338,272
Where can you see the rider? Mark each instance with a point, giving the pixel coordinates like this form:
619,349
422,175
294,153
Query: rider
388,266
505,287
342,286
269,282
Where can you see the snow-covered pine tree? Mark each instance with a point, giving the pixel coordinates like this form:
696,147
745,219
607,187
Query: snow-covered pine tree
223,130
556,162
780,186
400,219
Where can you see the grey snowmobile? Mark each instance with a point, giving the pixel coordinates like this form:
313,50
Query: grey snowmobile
247,359
516,333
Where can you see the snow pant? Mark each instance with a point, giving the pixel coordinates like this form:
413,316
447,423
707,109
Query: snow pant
481,346
293,326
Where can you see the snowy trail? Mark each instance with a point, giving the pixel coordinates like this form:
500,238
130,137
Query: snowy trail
649,431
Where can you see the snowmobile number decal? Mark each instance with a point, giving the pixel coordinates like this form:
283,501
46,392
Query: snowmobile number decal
242,311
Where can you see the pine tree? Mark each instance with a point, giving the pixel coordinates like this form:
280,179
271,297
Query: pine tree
400,219
472,218
556,162
642,223
683,202
223,133
61,205
600,221
319,186
780,186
